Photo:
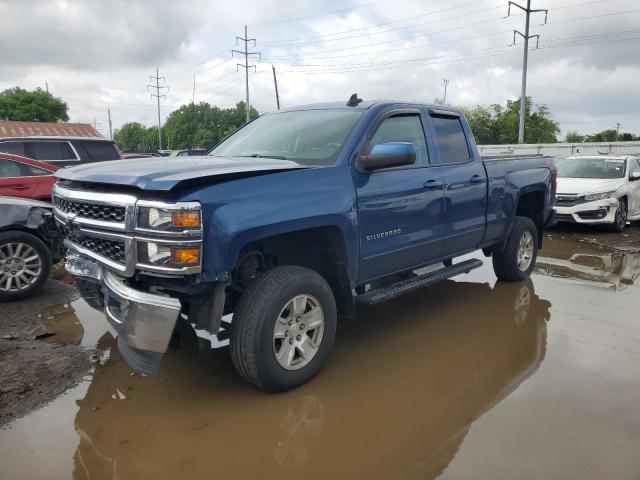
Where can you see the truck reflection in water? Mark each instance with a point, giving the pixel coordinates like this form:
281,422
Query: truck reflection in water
586,263
405,383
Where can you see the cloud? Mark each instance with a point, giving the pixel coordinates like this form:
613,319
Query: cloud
99,54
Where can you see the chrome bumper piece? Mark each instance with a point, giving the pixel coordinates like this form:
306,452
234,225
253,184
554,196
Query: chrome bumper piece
144,321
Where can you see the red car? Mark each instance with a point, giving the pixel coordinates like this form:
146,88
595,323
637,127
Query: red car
26,178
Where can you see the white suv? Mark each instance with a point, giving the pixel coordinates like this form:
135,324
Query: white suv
598,190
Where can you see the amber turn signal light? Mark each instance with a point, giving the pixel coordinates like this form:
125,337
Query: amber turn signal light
185,219
185,256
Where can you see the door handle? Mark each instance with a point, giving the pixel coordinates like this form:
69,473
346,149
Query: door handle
19,187
476,179
432,184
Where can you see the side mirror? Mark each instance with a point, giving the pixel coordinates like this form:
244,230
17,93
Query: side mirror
386,155
634,176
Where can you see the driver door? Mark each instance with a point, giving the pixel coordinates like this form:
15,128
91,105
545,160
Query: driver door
400,208
634,189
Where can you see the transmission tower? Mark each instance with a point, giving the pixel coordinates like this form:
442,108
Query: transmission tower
523,93
246,65
157,88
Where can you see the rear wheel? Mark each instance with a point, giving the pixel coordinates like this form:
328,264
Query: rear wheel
25,262
518,258
283,328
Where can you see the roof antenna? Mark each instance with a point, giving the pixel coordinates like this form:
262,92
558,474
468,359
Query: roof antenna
354,100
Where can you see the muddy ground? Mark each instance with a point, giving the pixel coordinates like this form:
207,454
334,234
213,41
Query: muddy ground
466,379
39,348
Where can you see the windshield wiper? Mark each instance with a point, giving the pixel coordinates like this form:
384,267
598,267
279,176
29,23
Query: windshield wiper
259,155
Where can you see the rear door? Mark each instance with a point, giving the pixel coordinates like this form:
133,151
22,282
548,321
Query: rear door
465,194
399,209
13,181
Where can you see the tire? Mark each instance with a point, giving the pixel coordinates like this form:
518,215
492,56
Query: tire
257,353
506,263
22,252
620,222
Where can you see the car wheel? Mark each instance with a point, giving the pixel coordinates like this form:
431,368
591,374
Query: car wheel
517,259
620,221
25,262
283,328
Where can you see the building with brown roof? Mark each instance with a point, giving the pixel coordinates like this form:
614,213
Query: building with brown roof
11,129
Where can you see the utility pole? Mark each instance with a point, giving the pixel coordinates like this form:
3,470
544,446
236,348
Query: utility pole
110,129
445,83
246,65
157,88
275,83
523,93
617,130
46,84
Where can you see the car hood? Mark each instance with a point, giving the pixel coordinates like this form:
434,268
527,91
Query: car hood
585,186
166,173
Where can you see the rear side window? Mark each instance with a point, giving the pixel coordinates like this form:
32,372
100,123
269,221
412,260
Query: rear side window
51,151
32,171
16,148
10,169
96,151
451,139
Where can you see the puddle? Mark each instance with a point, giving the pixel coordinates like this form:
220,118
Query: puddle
589,263
465,379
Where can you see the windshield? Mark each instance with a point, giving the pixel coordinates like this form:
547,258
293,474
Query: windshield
309,137
591,167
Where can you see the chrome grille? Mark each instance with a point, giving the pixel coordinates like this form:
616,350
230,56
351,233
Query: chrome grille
111,249
94,211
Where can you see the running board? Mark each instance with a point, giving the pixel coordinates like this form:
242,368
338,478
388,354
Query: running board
379,295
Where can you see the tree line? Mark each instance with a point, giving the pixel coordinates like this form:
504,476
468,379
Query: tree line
205,125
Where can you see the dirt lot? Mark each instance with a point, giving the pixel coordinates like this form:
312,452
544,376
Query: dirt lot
465,379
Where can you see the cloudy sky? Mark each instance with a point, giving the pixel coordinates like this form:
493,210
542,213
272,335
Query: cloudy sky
98,54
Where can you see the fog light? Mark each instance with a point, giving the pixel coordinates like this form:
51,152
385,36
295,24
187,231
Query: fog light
185,256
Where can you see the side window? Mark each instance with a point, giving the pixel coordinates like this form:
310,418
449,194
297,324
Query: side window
451,139
634,167
183,154
9,169
95,150
16,148
51,151
403,128
32,171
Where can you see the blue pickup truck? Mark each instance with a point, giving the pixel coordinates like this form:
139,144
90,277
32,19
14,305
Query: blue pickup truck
290,223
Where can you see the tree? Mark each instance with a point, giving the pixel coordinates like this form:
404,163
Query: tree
130,136
498,124
574,137
32,106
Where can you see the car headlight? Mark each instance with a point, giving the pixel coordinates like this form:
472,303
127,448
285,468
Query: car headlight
168,255
598,196
170,218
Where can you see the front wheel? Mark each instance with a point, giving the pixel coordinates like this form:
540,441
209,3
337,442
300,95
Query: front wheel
283,328
24,265
516,261
620,221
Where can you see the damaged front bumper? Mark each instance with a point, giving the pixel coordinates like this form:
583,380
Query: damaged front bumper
144,321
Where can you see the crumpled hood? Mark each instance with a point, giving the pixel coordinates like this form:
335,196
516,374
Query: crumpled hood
165,173
585,186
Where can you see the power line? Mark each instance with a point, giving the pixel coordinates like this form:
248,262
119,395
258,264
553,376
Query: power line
246,65
157,88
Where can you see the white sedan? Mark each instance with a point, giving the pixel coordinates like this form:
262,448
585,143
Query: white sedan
598,190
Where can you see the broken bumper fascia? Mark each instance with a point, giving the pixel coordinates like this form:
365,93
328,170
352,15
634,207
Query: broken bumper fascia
144,321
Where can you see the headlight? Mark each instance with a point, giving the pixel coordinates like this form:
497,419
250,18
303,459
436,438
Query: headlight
172,218
168,255
598,196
